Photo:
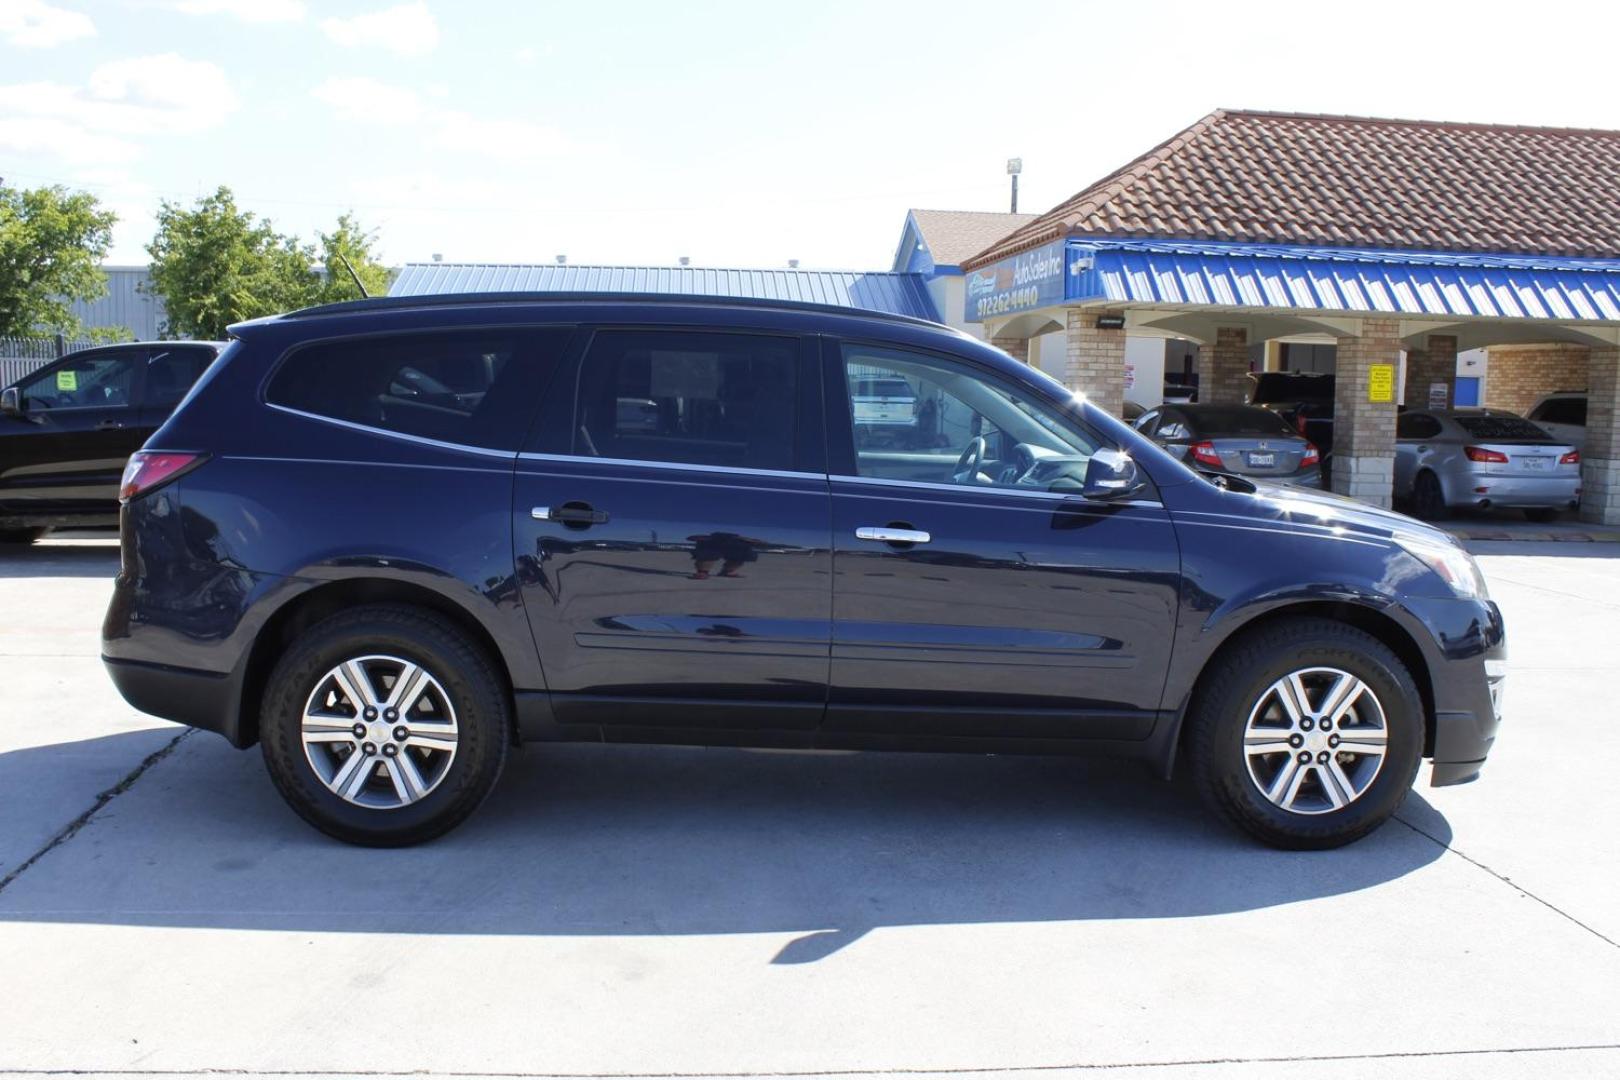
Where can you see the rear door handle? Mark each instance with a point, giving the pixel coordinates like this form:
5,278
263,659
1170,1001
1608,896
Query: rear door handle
570,514
109,425
887,535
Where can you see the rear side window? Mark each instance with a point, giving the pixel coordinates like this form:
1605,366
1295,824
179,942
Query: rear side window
1562,411
475,388
689,398
1417,426
171,371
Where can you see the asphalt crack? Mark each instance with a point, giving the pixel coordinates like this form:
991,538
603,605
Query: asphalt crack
71,829
1510,883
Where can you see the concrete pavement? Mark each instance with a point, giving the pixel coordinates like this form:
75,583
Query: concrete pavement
619,911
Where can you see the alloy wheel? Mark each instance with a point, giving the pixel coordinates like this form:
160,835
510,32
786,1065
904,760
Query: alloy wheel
379,731
1316,740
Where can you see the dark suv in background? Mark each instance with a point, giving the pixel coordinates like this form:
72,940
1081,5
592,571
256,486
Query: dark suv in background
390,539
67,430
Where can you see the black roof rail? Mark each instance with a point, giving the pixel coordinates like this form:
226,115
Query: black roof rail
430,300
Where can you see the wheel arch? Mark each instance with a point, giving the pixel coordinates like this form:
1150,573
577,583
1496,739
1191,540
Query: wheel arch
1382,626
314,605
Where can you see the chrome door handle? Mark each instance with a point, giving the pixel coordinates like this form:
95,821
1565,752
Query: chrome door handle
892,536
570,514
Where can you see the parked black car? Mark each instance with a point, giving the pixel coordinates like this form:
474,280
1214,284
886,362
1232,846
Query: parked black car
67,430
387,588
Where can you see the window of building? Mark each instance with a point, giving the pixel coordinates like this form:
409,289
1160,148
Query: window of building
689,397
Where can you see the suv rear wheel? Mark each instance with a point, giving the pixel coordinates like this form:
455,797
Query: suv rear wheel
384,726
1308,735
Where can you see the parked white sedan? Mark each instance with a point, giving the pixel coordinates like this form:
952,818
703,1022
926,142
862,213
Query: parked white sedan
1446,459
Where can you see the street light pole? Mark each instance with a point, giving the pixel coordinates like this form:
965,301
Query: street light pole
1014,167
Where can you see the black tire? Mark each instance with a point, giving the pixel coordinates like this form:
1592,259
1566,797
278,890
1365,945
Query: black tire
1428,499
1541,515
20,537
469,681
1240,680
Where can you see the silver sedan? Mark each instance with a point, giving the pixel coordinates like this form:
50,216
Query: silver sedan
1446,459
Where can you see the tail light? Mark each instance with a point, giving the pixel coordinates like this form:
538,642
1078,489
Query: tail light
1313,456
149,470
1571,458
1479,453
1204,453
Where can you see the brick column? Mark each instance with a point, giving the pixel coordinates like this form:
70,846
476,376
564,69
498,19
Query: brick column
1364,431
1223,368
1435,363
1015,347
1600,457
1095,365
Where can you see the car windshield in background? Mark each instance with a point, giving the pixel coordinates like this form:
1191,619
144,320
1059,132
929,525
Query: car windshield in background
1215,421
1500,428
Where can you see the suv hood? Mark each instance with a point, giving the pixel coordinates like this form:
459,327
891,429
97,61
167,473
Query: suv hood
1278,502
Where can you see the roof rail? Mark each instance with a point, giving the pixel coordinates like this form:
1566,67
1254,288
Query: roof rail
430,300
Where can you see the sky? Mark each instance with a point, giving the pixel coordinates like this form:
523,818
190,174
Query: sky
736,134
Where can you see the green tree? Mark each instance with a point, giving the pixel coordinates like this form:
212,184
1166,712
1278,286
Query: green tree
215,264
52,242
354,243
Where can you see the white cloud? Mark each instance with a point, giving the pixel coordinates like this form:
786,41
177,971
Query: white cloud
149,95
408,30
36,24
360,98
253,11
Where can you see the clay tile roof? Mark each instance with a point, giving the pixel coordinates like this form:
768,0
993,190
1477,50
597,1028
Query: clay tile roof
1345,181
953,235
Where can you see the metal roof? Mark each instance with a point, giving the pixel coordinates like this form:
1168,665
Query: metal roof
899,294
126,304
1353,281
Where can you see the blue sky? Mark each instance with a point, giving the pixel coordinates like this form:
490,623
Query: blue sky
737,134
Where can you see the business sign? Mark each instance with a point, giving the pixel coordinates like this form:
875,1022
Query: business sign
1022,283
1381,382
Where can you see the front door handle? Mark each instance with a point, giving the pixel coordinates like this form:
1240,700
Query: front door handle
570,514
889,535
109,425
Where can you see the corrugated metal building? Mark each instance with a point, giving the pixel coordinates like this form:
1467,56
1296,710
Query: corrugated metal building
125,304
901,294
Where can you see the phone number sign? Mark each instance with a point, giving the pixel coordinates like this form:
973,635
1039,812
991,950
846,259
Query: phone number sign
1021,283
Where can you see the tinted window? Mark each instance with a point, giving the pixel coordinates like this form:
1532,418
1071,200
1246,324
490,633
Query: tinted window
689,398
1416,426
1514,428
1562,411
460,387
170,372
1148,421
98,381
958,425
1217,420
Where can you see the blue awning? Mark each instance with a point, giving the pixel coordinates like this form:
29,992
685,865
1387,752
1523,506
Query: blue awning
899,294
1339,280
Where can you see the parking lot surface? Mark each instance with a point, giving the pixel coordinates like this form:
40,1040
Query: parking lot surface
617,911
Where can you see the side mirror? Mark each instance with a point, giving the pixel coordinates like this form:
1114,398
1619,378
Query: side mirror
1111,475
11,402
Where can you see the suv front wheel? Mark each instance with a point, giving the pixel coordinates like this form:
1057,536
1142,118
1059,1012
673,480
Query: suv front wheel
384,726
1308,735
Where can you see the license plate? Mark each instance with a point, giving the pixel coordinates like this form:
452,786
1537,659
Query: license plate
1262,461
1536,464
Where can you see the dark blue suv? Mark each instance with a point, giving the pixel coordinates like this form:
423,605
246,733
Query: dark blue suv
390,540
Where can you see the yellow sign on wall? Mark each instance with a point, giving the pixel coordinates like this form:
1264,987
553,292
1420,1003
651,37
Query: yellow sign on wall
1381,382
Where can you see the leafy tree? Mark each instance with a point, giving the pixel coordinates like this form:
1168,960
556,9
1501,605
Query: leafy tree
352,242
215,265
52,242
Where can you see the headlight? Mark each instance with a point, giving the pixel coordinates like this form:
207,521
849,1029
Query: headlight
1454,565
